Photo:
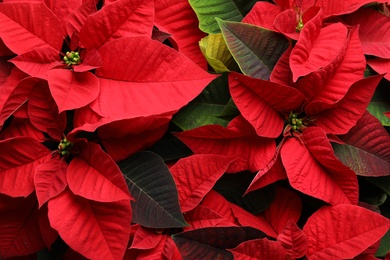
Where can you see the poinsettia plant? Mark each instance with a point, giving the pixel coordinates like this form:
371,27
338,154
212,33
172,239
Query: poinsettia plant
188,129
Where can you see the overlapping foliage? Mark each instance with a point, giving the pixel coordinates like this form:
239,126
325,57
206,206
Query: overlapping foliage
187,129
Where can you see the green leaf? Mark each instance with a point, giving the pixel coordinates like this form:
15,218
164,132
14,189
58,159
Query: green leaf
231,10
381,182
384,246
170,148
206,108
151,184
256,50
377,109
234,186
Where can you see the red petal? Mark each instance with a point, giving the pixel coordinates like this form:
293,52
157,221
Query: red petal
340,118
307,175
281,73
381,66
62,8
89,227
19,158
95,168
77,18
196,175
21,127
261,102
50,179
286,206
20,233
293,239
259,249
330,235
21,34
119,19
153,86
145,238
238,140
178,19
202,216
71,89
263,14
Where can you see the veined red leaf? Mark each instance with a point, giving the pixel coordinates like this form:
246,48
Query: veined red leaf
215,201
307,175
316,49
238,139
145,238
178,18
18,97
20,233
374,42
207,243
43,112
38,61
196,175
286,206
72,89
341,117
255,49
119,19
50,179
333,7
368,143
261,102
19,158
49,235
62,9
21,127
329,237
259,249
165,249
89,227
76,19
281,73
90,60
293,239
381,66
94,168
247,219
153,188
21,35
201,217
263,14
153,87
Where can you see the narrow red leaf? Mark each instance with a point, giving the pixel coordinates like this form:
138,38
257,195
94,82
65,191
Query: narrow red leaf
293,239
50,179
119,19
77,18
261,102
20,233
329,236
196,175
21,34
94,168
71,89
238,139
89,227
153,87
43,112
259,249
178,18
341,117
245,218
309,176
286,206
145,238
38,61
19,158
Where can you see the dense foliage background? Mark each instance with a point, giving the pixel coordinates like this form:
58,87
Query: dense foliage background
189,129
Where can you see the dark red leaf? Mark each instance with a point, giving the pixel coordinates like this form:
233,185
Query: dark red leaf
21,34
50,179
72,89
293,239
330,235
19,158
21,127
20,234
49,235
259,249
119,19
238,139
89,227
196,175
95,168
178,18
261,102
